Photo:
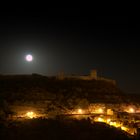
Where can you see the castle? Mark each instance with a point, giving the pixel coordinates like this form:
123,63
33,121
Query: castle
92,76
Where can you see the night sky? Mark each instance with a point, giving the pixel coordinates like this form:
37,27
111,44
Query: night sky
72,40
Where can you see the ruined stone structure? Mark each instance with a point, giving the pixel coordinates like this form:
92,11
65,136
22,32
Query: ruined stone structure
92,76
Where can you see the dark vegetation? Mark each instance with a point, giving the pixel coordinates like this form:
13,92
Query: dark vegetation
66,129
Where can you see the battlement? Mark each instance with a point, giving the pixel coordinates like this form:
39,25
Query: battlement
92,76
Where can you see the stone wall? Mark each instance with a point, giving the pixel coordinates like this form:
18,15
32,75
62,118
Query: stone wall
92,76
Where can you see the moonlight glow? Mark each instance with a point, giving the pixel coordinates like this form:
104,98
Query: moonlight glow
29,58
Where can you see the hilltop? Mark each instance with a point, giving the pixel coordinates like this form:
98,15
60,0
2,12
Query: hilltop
37,87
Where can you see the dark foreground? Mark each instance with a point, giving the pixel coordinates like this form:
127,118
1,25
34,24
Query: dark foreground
58,129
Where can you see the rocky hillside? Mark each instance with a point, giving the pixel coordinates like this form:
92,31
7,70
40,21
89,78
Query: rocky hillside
37,88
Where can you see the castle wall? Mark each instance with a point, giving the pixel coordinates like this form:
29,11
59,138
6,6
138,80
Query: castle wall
107,80
92,76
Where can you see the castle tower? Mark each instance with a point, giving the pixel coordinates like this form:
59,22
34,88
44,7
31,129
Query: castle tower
93,74
61,76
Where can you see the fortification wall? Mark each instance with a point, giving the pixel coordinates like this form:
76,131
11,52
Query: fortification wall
107,80
91,76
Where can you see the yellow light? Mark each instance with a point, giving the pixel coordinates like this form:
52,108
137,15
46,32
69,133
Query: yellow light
80,111
100,110
110,112
100,120
30,114
124,128
115,124
111,123
108,120
131,110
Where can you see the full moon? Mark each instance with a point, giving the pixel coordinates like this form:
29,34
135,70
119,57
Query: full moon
29,58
